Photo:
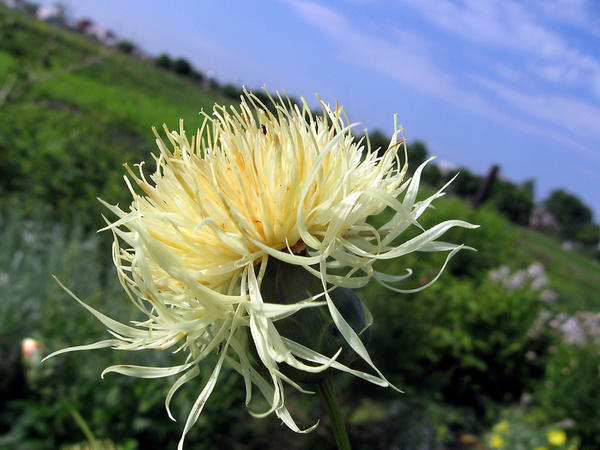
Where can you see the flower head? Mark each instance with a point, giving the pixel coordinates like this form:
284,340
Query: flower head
557,437
255,186
496,441
501,427
30,348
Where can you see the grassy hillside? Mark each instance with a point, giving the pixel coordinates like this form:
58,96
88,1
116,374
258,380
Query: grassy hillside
73,111
574,275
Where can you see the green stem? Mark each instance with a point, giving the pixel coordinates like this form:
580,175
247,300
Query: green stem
334,413
80,422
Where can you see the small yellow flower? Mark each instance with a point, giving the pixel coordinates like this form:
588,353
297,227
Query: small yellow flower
501,427
557,437
496,441
255,187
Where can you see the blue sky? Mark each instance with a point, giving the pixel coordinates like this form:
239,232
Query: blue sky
480,81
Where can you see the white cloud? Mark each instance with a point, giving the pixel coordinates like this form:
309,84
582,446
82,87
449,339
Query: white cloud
397,58
322,17
507,25
563,112
446,166
409,60
572,12
508,73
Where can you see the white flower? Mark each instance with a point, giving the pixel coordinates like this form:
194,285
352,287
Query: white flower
252,186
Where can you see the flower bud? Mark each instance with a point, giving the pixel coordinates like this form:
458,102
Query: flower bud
313,327
31,357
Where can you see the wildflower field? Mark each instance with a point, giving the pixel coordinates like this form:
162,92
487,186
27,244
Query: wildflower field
503,351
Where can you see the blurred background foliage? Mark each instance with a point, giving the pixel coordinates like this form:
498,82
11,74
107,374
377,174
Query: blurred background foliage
501,352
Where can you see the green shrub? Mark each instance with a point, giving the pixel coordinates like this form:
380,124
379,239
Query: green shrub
467,342
520,428
480,342
569,210
514,201
572,389
464,338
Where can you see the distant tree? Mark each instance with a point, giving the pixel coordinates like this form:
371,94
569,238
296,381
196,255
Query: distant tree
264,98
126,47
295,101
432,175
379,141
232,91
514,201
30,8
181,66
261,95
529,186
417,154
570,212
588,235
197,75
62,13
213,84
163,60
317,113
466,184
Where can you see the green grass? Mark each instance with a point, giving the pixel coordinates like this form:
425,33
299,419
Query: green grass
112,83
74,111
574,275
